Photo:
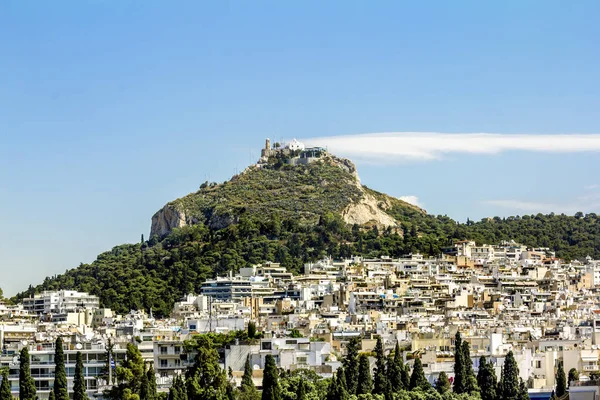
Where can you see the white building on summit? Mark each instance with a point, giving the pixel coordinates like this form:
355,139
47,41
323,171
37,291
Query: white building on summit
295,145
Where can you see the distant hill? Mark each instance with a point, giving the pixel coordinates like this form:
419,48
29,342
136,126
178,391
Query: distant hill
291,210
327,184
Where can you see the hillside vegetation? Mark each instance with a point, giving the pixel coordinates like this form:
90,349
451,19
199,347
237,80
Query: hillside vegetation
292,215
301,192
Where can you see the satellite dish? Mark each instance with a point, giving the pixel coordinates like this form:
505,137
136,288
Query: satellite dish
15,360
24,342
256,366
79,346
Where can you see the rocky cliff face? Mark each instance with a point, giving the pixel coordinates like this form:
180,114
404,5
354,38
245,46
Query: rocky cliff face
368,211
166,219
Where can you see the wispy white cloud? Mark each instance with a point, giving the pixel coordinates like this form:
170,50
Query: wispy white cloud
593,186
414,200
403,146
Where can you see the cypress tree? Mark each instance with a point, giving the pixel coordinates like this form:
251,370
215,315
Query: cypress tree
5,393
391,374
51,395
332,390
442,383
351,365
248,389
394,370
301,393
561,380
152,391
470,379
270,384
404,374
247,377
523,392
417,378
459,366
553,396
60,373
380,380
365,384
510,378
26,382
337,386
341,384
486,380
144,386
79,389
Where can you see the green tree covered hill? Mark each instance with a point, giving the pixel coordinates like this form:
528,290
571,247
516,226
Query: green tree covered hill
293,215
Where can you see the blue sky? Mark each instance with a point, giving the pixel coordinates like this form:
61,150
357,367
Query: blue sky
110,109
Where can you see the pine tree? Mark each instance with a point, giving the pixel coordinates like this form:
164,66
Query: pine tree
573,376
270,384
486,380
26,382
510,378
351,365
380,379
79,389
459,366
178,390
60,373
561,381
5,393
470,379
442,384
417,378
365,384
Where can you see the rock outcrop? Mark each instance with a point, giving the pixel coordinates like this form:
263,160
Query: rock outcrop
166,219
367,211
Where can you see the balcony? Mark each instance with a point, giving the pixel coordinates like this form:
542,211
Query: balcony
590,367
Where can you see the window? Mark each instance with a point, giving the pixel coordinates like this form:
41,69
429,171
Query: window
177,349
163,363
538,364
266,345
163,350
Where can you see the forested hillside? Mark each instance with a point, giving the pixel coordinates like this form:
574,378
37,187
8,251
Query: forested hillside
157,273
293,215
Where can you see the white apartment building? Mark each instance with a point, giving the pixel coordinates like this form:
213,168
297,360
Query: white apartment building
42,365
236,288
60,302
